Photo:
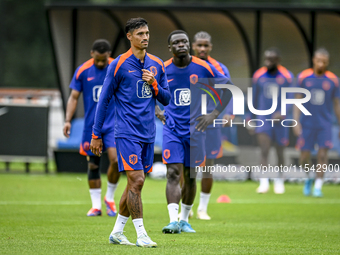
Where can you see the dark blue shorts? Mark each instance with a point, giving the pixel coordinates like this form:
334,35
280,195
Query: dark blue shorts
134,155
189,151
108,142
213,143
278,133
309,137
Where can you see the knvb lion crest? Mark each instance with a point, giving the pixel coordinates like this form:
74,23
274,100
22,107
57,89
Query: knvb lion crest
133,159
153,70
193,78
166,154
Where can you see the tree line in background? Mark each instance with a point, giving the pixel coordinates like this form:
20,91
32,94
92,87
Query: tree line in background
26,57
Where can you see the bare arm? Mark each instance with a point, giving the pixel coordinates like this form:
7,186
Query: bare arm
336,105
296,116
70,109
160,114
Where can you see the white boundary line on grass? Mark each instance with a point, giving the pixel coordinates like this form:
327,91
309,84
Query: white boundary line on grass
236,201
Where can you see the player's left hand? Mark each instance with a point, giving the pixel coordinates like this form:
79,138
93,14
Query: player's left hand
205,120
96,147
148,76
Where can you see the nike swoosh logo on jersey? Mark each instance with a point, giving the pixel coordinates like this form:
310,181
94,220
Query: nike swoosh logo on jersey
197,161
90,78
131,71
170,80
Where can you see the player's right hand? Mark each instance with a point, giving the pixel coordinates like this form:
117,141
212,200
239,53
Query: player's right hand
67,129
297,130
228,118
96,147
160,114
148,76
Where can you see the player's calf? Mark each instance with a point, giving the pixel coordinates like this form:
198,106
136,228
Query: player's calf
95,190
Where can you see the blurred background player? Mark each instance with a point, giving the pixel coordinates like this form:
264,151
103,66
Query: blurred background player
183,143
88,78
202,47
317,128
135,79
265,80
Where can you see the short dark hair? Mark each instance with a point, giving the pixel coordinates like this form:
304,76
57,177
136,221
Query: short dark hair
202,35
275,50
101,45
176,32
321,51
135,23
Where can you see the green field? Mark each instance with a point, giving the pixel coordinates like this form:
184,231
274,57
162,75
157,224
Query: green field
46,214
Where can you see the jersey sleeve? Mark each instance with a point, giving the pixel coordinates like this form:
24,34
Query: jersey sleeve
76,82
226,93
336,93
254,86
108,89
225,70
229,108
290,83
300,81
160,88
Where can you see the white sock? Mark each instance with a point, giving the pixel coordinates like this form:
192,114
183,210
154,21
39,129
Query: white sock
120,224
185,210
173,211
318,183
110,192
204,200
96,198
139,226
278,181
264,182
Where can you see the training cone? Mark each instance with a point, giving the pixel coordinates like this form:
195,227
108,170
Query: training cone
223,199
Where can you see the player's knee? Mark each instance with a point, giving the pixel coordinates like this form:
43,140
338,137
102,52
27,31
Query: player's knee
304,160
137,184
173,174
206,174
93,173
113,161
92,166
322,155
265,152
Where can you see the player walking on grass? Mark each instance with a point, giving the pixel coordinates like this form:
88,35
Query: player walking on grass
134,81
183,143
89,78
202,47
317,127
269,77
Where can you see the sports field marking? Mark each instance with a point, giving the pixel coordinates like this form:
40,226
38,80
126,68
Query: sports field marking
235,201
44,202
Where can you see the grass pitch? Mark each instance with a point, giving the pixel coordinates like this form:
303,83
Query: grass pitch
46,214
